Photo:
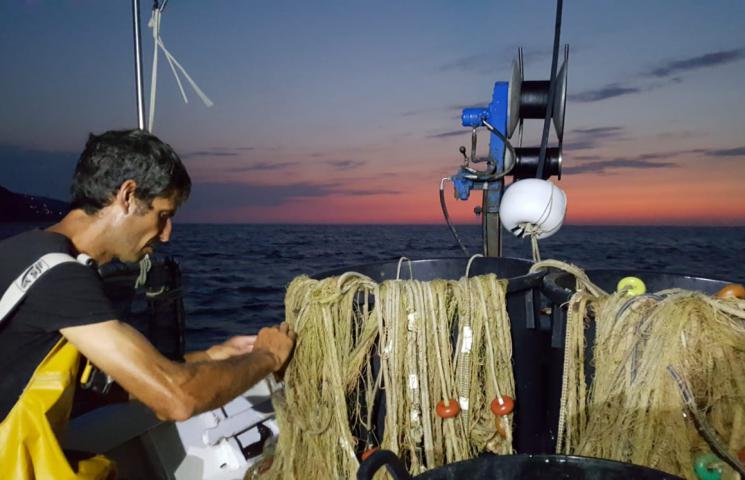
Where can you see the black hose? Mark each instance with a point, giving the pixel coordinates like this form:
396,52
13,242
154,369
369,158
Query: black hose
379,459
447,220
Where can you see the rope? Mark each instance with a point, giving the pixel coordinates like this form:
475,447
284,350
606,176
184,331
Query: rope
464,345
535,229
154,24
574,327
658,360
583,281
145,266
345,326
573,370
398,269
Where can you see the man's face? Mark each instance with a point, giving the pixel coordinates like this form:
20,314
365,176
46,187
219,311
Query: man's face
146,227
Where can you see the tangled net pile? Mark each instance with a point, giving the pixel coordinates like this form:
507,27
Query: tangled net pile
668,383
360,342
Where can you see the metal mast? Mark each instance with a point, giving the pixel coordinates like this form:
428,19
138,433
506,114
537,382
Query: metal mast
138,65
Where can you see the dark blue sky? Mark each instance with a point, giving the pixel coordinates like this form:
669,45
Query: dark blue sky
343,111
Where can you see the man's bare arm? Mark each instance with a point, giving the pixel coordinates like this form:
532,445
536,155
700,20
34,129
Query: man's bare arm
176,391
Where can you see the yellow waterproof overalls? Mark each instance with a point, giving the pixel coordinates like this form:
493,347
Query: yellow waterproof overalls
29,448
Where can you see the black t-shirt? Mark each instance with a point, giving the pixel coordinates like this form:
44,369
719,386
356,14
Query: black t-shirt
69,294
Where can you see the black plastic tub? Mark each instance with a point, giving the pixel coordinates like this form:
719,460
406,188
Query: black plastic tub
530,342
559,286
510,467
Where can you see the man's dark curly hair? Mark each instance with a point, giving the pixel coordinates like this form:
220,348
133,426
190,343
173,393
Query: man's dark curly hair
114,157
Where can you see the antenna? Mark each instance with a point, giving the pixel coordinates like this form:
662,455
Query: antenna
551,92
560,98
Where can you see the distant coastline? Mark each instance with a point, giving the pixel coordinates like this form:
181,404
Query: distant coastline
19,207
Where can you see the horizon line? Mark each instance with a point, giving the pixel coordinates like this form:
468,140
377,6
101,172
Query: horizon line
399,224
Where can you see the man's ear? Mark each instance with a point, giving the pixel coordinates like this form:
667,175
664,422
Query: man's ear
125,196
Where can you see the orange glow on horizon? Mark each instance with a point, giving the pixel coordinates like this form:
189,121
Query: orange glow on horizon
695,193
629,206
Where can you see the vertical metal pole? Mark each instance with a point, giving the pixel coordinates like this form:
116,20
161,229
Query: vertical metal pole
139,86
490,225
492,229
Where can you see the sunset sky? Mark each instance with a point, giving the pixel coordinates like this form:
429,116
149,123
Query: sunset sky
348,111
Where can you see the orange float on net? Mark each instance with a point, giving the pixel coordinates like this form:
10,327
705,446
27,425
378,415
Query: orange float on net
501,426
366,454
741,455
265,465
447,411
733,290
502,406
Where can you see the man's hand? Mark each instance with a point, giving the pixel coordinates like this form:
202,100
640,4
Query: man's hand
238,345
279,341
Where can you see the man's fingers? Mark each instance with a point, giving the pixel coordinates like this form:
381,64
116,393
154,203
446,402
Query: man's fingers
279,340
242,341
240,344
285,328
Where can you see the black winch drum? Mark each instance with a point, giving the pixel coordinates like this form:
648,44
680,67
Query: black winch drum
530,344
509,467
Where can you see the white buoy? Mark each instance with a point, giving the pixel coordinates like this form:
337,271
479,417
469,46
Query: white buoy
533,206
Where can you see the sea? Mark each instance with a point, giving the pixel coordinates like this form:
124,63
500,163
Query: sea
235,276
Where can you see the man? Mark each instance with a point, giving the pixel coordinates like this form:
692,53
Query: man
126,188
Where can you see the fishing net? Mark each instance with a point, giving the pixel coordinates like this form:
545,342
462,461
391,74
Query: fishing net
387,354
663,385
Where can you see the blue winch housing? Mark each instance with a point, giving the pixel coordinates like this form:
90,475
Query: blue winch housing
496,115
462,185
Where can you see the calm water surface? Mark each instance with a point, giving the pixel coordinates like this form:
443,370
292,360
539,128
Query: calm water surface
235,275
